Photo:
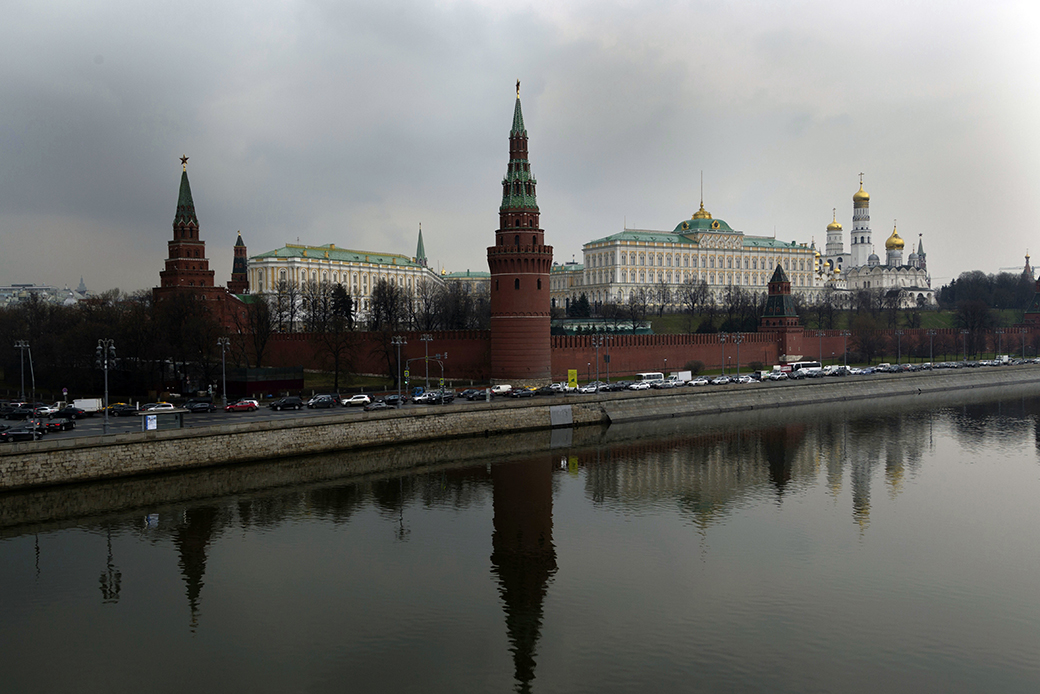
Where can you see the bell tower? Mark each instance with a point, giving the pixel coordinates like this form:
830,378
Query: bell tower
519,263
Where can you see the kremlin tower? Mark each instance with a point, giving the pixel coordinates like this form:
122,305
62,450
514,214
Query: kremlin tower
239,283
519,263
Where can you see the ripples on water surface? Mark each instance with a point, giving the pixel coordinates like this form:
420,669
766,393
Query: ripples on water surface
876,548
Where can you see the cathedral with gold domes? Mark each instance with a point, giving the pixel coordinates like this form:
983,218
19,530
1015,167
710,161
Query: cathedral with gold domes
908,282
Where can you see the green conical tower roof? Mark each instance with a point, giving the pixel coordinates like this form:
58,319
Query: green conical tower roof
518,118
240,242
420,249
185,205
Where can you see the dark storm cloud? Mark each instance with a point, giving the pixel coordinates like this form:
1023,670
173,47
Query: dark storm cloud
351,122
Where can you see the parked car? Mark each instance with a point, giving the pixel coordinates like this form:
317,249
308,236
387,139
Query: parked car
395,400
472,394
639,385
720,380
745,379
522,393
778,376
157,407
200,406
289,402
245,405
377,405
501,389
320,401
358,400
699,381
546,390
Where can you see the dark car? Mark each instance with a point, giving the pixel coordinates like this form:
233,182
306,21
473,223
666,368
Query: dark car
289,402
122,409
59,424
21,434
477,394
200,406
70,412
320,401
376,405
547,390
395,400
522,393
19,413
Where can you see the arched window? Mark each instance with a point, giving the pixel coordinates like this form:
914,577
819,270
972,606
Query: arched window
539,283
516,283
534,240
516,239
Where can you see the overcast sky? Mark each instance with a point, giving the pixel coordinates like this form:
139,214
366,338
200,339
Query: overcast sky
352,122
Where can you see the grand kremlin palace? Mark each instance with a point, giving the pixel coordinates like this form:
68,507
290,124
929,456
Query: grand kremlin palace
699,248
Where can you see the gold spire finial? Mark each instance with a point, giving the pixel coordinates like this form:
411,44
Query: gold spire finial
518,89
184,162
834,214
860,179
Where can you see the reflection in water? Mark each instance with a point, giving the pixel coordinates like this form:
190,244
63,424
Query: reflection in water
709,470
523,557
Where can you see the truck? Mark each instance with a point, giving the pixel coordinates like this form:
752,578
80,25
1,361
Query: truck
90,405
681,377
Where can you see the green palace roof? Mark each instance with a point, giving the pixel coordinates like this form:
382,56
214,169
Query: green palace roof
466,275
343,255
640,236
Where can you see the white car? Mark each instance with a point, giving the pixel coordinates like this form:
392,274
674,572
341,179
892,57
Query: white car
778,376
357,400
501,389
699,381
745,379
639,385
720,380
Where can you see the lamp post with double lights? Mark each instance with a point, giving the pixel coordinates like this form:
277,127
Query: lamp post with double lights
1022,331
964,343
21,346
106,351
845,346
931,346
223,343
426,339
722,357
899,347
397,341
738,338
597,342
1000,341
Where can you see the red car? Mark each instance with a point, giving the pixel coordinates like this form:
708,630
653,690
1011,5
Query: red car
243,406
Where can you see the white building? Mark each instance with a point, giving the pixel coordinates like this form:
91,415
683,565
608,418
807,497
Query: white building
698,249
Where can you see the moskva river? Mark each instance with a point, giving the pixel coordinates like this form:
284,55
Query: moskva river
886,546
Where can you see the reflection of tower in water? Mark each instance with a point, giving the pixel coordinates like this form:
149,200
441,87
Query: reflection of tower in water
523,557
191,539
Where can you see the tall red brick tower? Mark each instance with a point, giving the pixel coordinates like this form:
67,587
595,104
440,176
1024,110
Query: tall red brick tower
187,264
239,283
519,263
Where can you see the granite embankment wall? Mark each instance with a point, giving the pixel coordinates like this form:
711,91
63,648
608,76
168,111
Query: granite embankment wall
124,455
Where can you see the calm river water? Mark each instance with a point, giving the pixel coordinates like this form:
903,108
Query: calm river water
882,547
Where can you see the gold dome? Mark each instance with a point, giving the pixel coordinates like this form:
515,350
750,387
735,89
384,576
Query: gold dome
894,243
701,213
834,226
837,271
861,195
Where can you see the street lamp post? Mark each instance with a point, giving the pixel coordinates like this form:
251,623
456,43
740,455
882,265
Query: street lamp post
931,346
21,346
588,372
106,350
964,343
819,334
899,347
606,357
597,342
426,339
738,338
845,346
397,341
1000,341
1023,332
224,343
722,355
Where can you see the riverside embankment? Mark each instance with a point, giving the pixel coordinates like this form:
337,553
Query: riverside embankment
126,455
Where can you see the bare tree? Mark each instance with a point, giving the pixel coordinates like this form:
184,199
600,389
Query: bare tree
286,306
423,305
388,308
662,296
639,303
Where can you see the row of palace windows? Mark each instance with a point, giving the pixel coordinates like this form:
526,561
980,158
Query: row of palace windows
665,260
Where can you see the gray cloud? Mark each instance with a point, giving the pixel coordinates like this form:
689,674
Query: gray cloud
352,122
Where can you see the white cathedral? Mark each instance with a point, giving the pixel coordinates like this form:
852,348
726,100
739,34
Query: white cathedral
861,268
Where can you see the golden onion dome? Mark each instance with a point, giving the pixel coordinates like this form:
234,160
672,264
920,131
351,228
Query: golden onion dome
837,271
894,243
701,213
861,195
834,225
